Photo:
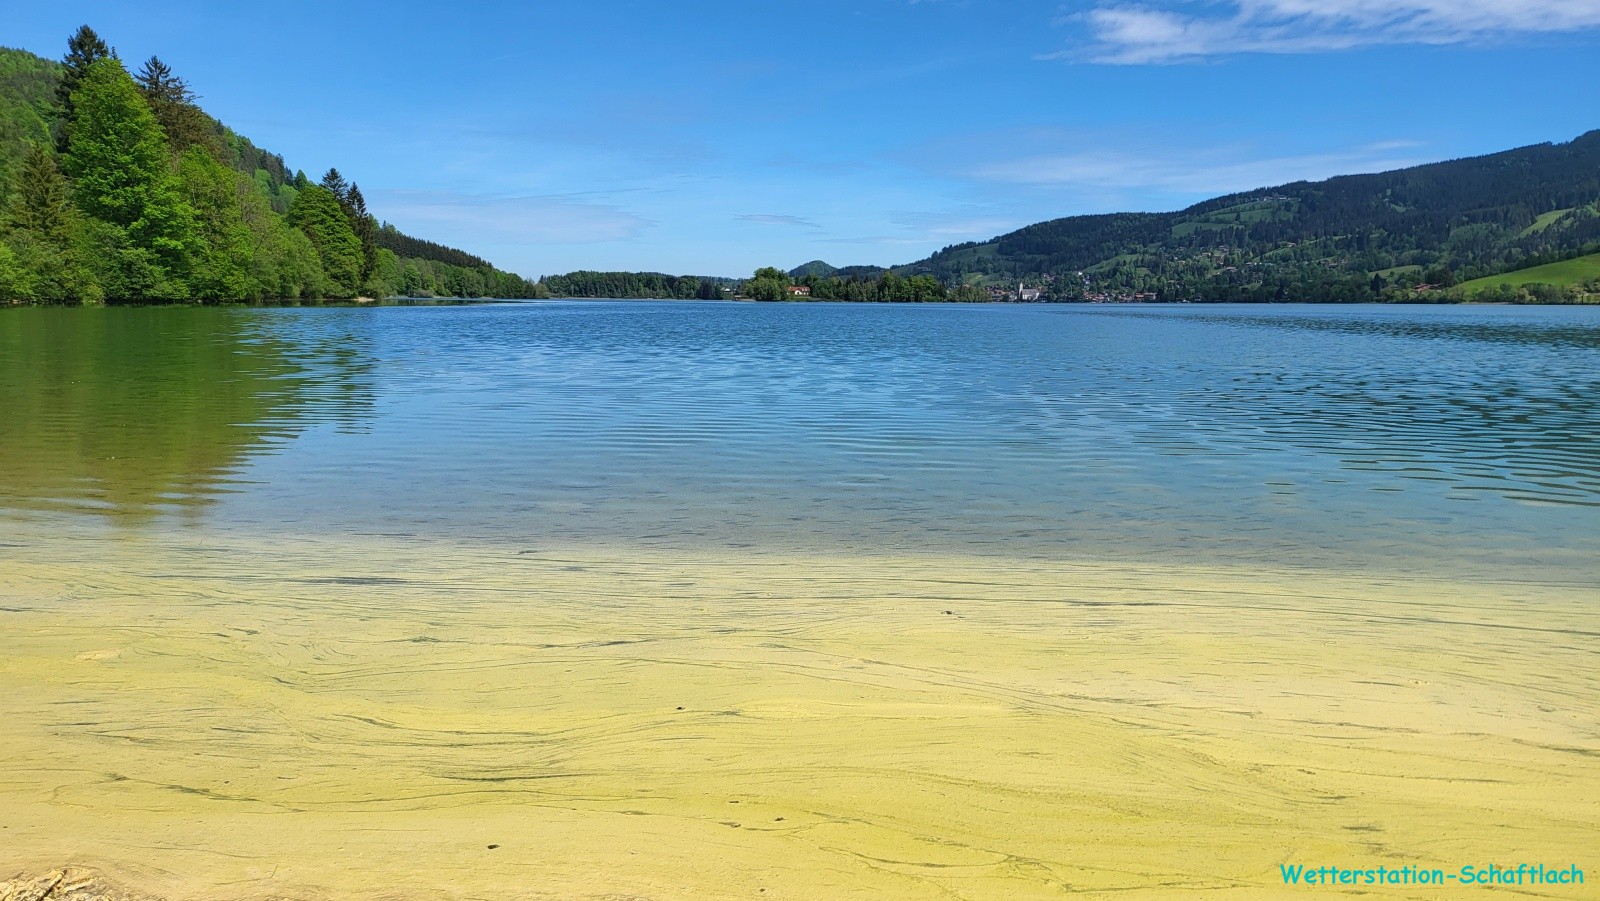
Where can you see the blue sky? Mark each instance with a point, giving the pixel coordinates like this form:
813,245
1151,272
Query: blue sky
715,137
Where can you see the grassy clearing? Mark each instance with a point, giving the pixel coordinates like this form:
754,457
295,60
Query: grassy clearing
1543,222
1575,271
1114,262
1397,270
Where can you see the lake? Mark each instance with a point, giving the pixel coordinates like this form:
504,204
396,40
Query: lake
602,599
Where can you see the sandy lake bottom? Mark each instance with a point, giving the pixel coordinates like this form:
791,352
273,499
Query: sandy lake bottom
322,718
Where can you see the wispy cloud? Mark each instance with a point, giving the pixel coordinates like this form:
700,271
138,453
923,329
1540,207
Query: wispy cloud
777,219
1021,170
1195,171
449,216
1176,31
963,223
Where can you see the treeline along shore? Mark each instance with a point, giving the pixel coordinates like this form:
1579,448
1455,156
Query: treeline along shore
116,187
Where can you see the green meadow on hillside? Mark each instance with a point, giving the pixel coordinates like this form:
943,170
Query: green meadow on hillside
1575,272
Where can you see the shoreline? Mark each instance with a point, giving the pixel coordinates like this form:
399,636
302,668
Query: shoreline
366,303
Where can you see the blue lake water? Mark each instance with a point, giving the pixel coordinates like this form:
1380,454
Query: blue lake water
1446,439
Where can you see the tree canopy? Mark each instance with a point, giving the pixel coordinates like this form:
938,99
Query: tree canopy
317,213
120,188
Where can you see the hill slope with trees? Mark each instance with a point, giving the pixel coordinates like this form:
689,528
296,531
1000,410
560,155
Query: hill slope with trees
115,187
1352,238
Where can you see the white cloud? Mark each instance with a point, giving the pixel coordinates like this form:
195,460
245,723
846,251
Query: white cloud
450,217
1136,33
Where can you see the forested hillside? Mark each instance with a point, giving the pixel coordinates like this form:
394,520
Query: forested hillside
636,285
820,269
1395,235
115,187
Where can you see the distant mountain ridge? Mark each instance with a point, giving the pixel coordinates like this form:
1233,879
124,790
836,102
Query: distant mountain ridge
819,269
1356,237
816,268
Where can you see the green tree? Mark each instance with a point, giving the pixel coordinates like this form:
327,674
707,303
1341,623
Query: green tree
411,280
318,214
893,289
119,163
366,229
221,270
924,289
768,283
386,279
84,49
44,230
361,222
1440,276
41,201
169,97
15,285
335,182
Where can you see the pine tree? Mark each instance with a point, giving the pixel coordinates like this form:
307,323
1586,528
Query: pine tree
366,229
358,203
173,103
84,49
335,182
41,202
157,83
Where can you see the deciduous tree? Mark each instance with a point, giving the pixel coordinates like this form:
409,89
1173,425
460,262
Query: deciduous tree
120,165
317,213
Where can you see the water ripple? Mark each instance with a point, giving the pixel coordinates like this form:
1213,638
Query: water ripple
1252,430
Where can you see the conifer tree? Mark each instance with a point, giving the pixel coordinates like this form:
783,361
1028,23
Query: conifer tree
366,229
173,103
84,49
335,182
41,202
157,82
358,203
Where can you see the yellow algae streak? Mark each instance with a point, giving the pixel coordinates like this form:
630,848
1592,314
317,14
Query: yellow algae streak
317,720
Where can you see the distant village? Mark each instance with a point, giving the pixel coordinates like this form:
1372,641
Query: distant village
1024,294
